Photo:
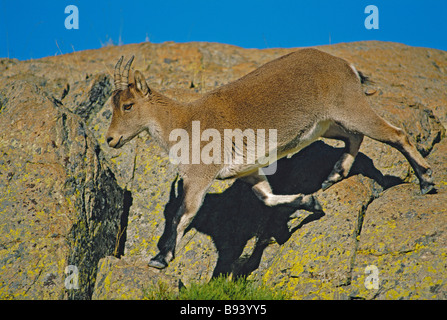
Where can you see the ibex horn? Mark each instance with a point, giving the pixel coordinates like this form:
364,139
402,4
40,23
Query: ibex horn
125,79
117,76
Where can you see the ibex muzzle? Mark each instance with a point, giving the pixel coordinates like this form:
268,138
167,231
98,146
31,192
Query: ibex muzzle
304,95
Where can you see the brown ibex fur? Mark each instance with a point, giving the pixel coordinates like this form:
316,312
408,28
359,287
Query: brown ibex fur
304,95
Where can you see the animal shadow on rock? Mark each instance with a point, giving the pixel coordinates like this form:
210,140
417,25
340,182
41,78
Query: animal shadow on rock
236,215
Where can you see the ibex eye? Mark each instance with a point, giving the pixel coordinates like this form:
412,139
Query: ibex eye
127,107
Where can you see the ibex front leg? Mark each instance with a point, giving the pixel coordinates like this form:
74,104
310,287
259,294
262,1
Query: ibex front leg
193,194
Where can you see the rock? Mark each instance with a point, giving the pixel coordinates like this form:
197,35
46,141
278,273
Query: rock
87,97
375,224
60,204
404,236
129,279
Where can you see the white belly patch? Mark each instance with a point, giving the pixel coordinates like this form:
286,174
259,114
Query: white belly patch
313,134
237,170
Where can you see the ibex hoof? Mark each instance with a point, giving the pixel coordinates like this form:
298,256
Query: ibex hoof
158,262
326,184
311,204
427,187
316,206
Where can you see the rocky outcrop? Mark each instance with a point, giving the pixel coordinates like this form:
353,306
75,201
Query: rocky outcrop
60,205
68,199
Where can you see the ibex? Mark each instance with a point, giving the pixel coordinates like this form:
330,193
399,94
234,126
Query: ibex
304,95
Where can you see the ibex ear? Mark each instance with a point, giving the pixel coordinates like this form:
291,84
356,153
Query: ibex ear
141,84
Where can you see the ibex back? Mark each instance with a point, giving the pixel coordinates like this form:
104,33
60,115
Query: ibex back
304,95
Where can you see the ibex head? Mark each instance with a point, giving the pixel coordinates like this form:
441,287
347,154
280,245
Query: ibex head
128,101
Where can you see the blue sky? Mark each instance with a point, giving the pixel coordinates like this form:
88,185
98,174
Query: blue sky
34,29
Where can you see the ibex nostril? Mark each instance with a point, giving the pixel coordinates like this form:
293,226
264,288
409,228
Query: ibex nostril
109,139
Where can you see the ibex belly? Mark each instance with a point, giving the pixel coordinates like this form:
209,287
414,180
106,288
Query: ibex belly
298,143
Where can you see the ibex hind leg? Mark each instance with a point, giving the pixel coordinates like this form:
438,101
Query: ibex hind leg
262,189
344,164
366,121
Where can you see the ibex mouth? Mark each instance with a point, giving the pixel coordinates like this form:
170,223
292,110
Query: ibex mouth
116,145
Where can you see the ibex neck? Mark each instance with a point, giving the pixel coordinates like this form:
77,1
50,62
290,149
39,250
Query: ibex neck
166,115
